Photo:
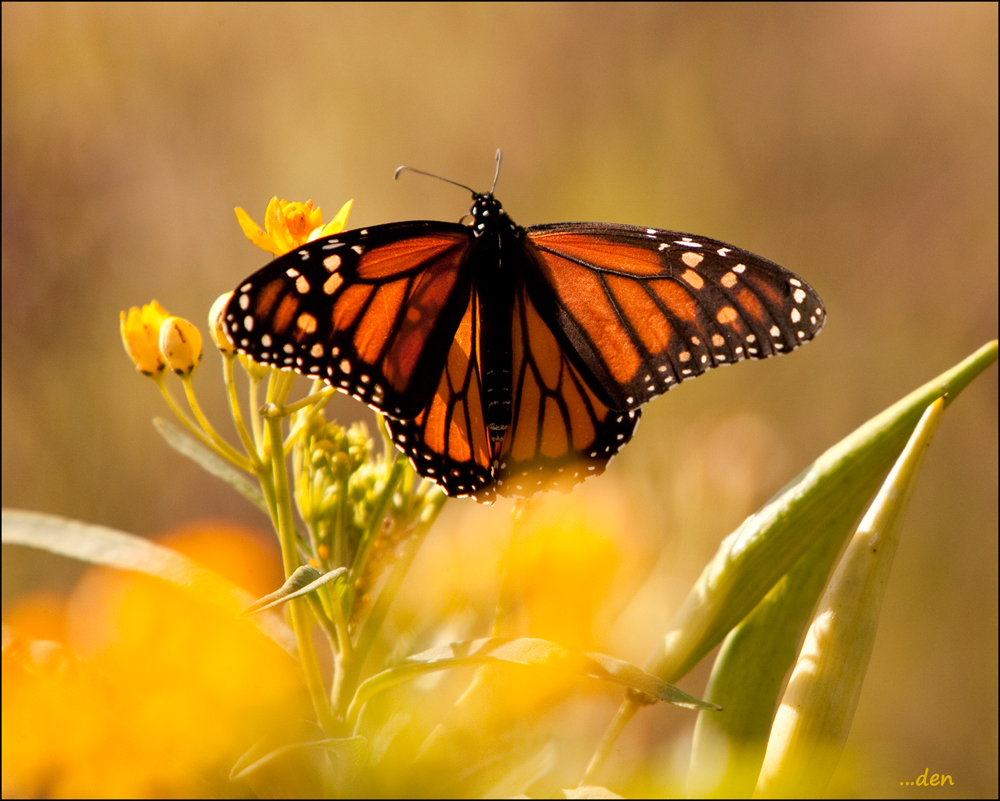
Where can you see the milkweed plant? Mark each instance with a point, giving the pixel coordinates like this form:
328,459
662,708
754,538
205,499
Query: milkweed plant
792,596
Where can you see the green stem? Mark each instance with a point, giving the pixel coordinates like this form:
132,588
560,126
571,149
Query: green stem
219,445
183,417
523,509
625,712
234,404
372,624
289,555
254,406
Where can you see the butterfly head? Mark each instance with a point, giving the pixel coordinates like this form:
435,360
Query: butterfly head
488,215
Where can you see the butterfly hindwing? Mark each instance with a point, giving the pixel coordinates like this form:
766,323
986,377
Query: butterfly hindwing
447,441
561,431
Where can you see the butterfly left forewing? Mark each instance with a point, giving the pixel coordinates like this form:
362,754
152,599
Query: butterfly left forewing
370,311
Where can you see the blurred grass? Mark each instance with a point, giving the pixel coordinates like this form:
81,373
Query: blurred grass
853,144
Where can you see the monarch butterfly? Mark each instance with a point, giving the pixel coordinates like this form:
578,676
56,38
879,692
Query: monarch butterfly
507,359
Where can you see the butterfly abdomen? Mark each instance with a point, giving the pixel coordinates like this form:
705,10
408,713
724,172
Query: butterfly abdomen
497,263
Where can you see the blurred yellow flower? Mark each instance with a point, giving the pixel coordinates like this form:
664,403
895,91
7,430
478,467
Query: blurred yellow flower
288,224
563,566
141,335
162,693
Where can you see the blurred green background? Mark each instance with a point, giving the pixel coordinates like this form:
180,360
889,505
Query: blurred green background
853,144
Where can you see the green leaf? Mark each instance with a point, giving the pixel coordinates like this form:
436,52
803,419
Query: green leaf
354,749
818,707
210,462
105,546
823,503
524,651
817,511
748,675
304,580
755,658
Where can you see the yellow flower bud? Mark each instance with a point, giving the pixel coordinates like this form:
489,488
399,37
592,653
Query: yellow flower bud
215,329
140,335
341,465
180,345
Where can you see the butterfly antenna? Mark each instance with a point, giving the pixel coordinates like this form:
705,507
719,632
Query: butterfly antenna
431,175
497,173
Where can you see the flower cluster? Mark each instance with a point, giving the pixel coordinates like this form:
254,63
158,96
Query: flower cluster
156,340
359,510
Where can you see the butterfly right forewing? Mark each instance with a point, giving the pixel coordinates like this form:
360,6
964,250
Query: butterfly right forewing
643,309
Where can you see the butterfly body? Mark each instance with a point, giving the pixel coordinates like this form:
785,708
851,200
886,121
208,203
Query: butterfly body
496,262
507,359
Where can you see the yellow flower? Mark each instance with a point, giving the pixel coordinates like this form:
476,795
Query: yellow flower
141,333
288,224
180,344
215,329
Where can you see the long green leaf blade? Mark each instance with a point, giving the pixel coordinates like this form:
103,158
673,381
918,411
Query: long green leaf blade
818,707
210,462
827,500
105,546
525,651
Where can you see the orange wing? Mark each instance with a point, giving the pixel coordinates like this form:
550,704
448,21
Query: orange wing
372,311
640,309
562,432
447,441
604,318
611,316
